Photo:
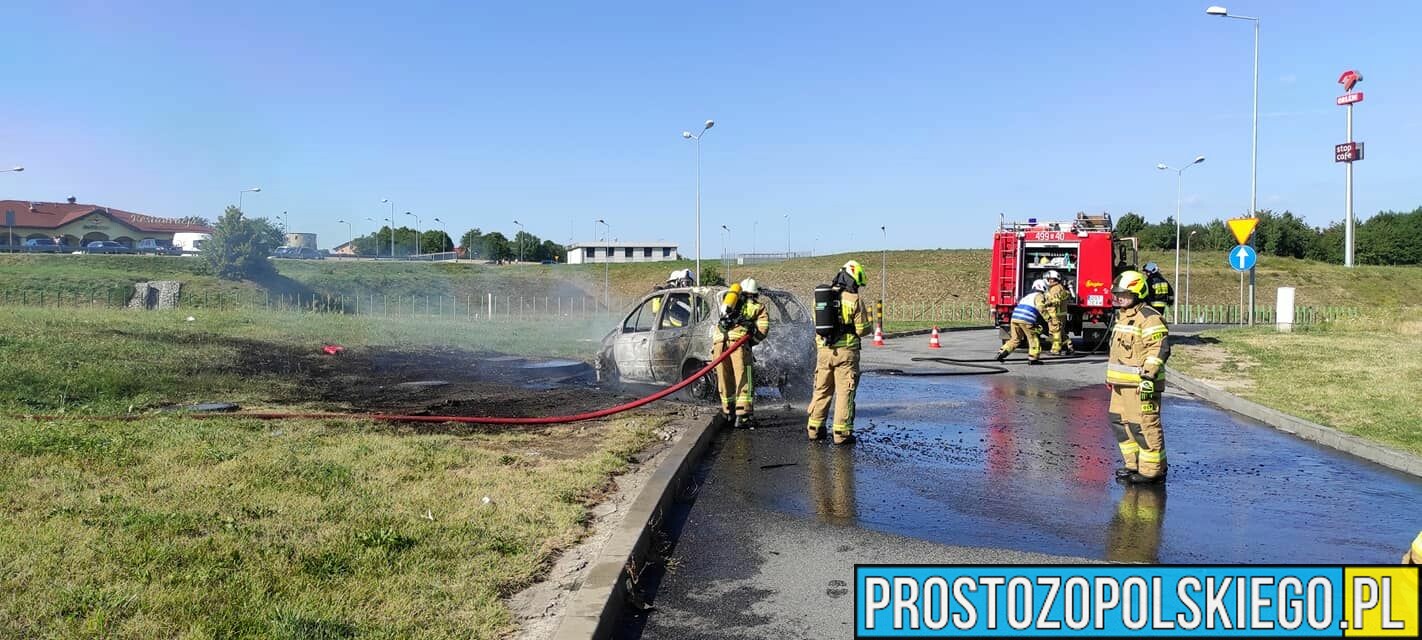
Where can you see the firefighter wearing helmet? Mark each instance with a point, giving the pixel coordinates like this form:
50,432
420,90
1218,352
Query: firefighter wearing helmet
1135,373
742,314
1159,293
837,354
1023,328
1054,308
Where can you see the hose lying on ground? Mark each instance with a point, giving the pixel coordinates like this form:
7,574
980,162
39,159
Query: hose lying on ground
385,417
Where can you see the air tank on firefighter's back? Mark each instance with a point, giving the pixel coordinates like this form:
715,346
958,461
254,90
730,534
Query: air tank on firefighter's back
827,311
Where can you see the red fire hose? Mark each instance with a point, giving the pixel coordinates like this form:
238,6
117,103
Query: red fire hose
385,417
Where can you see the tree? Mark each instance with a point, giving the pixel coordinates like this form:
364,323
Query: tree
551,250
472,242
711,276
496,247
240,246
435,241
1130,225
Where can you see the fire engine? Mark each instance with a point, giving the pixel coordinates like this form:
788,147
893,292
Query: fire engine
1085,251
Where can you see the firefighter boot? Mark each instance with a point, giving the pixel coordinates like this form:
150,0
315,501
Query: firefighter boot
843,437
1001,356
814,432
746,421
1137,478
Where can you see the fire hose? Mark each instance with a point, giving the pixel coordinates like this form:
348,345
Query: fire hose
387,417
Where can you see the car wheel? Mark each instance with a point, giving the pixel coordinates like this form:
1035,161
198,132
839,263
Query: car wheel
704,387
607,370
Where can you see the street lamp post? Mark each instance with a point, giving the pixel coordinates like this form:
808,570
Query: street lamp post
883,273
1187,268
392,226
725,260
350,231
519,237
1179,177
697,138
1254,140
417,232
286,222
11,244
606,262
12,170
239,193
377,236
755,230
444,236
787,236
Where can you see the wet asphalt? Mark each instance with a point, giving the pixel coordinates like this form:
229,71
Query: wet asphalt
1011,468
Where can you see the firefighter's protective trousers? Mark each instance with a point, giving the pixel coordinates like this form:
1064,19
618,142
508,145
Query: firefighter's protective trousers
1139,348
837,368
1054,310
1020,332
735,376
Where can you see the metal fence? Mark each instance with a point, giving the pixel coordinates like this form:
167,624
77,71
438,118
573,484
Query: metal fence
945,312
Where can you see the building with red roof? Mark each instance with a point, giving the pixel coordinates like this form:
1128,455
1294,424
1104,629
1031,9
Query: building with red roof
78,224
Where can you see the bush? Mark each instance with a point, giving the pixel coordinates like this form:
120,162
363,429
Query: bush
240,247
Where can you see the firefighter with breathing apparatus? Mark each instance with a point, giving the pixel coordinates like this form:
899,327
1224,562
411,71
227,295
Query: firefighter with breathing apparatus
1159,293
1023,328
677,279
841,321
742,314
1054,308
1135,373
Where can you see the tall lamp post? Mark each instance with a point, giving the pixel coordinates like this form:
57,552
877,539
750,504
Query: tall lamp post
417,231
1179,177
1187,268
392,225
377,236
12,170
787,236
883,274
519,237
725,260
239,193
285,222
606,262
11,244
697,138
443,237
1254,141
350,231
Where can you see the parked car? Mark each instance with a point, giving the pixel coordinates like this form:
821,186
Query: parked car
298,253
157,247
45,245
106,246
663,343
282,252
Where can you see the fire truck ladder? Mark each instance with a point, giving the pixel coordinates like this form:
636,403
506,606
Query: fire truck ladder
1007,282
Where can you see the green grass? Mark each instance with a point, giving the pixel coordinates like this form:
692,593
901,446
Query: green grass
1359,376
170,527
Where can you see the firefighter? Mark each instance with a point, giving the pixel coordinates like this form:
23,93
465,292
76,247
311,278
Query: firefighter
1160,295
742,314
1135,373
837,358
1413,555
1055,311
1025,318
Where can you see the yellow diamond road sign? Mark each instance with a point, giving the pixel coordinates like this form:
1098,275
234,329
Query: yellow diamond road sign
1242,228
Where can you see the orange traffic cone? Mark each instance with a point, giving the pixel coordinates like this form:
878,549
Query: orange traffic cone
933,340
878,336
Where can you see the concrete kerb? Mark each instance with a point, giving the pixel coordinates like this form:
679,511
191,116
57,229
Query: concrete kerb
1326,436
593,610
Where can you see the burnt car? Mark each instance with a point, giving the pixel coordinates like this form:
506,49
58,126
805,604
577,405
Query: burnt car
668,335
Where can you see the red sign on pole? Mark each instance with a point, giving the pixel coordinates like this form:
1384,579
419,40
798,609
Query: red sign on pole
1350,98
1349,79
1348,152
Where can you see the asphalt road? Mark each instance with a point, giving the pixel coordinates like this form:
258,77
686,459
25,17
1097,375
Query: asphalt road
1013,468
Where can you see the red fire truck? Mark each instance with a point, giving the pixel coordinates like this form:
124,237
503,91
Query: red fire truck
1085,251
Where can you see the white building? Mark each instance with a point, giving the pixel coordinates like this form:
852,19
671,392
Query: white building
599,252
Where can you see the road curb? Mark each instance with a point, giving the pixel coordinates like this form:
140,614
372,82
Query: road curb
1324,435
593,610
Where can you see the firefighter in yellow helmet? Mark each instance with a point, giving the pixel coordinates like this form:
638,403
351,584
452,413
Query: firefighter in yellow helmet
1135,372
1413,555
1054,309
837,357
1159,292
741,314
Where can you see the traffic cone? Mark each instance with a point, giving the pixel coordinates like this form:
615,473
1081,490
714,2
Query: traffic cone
878,336
933,340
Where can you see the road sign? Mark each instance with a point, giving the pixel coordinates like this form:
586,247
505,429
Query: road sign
1242,228
1348,152
1350,98
9,218
1242,258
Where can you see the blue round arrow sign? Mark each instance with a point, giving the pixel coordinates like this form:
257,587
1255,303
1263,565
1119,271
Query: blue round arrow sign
1242,257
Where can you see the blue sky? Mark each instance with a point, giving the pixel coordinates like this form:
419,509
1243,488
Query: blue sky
930,118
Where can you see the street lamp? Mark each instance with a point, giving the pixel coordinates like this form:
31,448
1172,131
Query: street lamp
1187,267
286,222
519,237
392,226
11,244
445,236
606,262
15,170
697,138
1179,176
787,236
417,231
755,229
725,261
350,230
1254,142
883,274
377,236
239,193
